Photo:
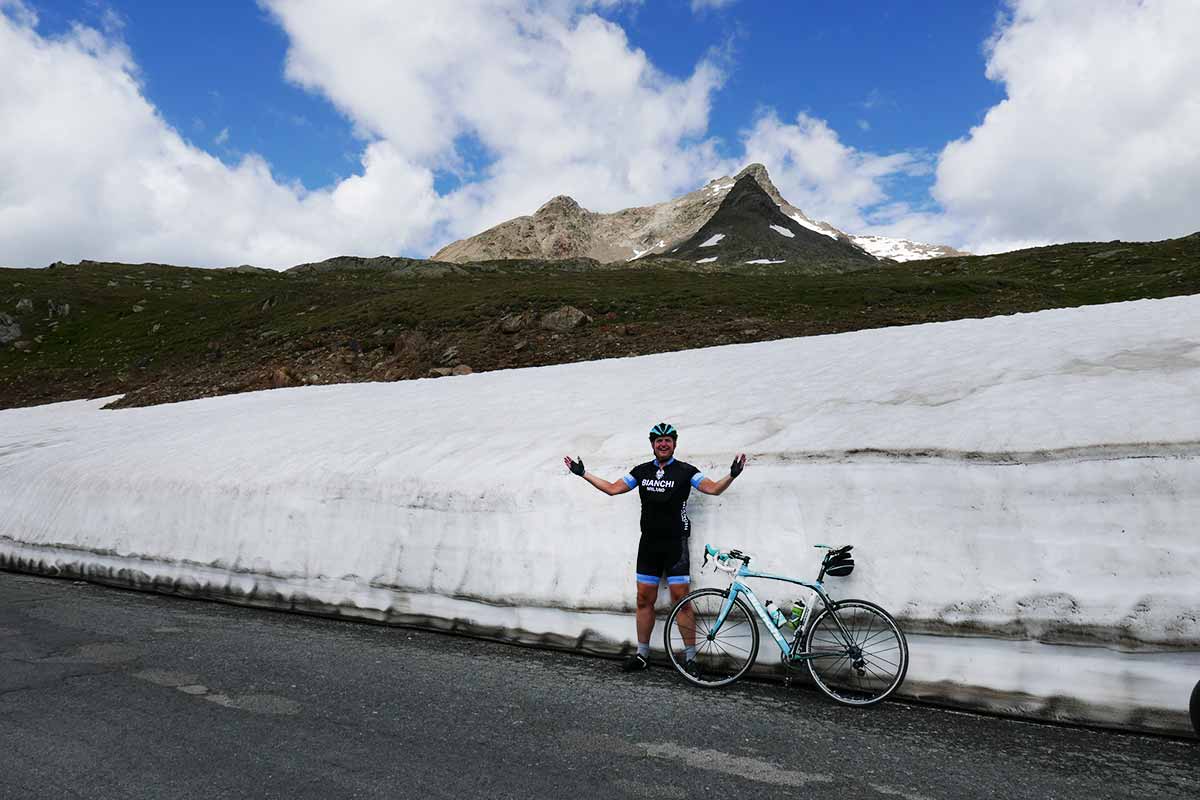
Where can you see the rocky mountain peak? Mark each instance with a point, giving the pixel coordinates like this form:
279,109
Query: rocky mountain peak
559,205
751,228
757,171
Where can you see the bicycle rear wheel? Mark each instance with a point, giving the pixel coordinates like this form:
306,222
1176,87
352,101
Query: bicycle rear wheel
722,655
862,660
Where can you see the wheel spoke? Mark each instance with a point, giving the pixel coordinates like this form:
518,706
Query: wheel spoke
877,658
881,677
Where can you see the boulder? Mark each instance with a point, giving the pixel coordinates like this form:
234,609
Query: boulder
564,319
512,323
10,331
24,304
54,309
284,376
461,369
410,345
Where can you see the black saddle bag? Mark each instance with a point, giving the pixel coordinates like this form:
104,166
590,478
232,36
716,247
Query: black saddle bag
839,565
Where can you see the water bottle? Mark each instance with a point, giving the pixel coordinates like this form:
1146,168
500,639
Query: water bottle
797,615
774,613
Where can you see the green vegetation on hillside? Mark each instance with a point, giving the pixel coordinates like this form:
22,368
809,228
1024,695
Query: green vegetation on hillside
159,333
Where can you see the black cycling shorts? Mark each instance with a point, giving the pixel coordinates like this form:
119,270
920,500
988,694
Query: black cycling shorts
663,556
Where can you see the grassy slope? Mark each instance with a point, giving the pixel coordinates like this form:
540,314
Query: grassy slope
224,331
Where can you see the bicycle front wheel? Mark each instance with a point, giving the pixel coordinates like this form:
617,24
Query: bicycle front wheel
722,654
860,661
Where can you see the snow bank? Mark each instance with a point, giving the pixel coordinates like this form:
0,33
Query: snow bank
1017,486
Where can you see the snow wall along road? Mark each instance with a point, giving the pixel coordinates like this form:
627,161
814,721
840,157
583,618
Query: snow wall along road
1022,492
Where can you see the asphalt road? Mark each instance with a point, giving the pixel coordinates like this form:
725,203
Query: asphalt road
113,694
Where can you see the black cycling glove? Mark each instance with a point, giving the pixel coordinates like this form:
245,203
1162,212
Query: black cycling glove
577,467
735,468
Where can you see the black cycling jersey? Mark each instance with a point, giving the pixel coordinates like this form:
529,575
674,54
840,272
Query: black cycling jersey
664,493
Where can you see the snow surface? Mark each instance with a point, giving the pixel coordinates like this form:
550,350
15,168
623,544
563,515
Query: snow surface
713,240
1012,485
639,253
764,261
708,260
812,226
897,249
783,231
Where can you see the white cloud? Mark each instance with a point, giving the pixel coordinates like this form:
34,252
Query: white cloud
825,178
704,5
1096,138
554,94
222,137
557,97
88,169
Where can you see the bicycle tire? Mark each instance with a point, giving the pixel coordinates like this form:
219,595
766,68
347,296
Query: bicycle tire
865,676
723,657
1194,708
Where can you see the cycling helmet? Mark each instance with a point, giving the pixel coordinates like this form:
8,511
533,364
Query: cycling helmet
663,429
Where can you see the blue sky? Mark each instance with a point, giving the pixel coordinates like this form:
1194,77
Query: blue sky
397,126
889,76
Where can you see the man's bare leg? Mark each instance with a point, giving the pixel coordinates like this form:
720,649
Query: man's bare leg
685,621
647,593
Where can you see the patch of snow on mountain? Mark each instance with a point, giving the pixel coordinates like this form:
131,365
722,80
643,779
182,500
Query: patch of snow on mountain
812,226
720,188
783,231
764,261
707,260
898,249
714,240
639,253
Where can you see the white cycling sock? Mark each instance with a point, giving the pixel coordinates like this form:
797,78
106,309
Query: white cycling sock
644,649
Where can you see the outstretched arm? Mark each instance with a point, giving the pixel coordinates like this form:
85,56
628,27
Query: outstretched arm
709,486
608,487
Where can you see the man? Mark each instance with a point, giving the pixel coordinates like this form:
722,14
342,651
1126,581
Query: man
663,485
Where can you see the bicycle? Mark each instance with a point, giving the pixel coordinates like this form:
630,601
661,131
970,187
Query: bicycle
853,649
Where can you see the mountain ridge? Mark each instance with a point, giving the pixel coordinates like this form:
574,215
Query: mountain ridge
562,228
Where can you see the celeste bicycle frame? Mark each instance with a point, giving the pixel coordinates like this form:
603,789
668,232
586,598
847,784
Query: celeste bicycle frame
788,650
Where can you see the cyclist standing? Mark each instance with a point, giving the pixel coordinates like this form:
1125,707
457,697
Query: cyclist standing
663,485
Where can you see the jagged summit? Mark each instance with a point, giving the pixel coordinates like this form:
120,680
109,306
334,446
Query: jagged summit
561,204
750,227
561,228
